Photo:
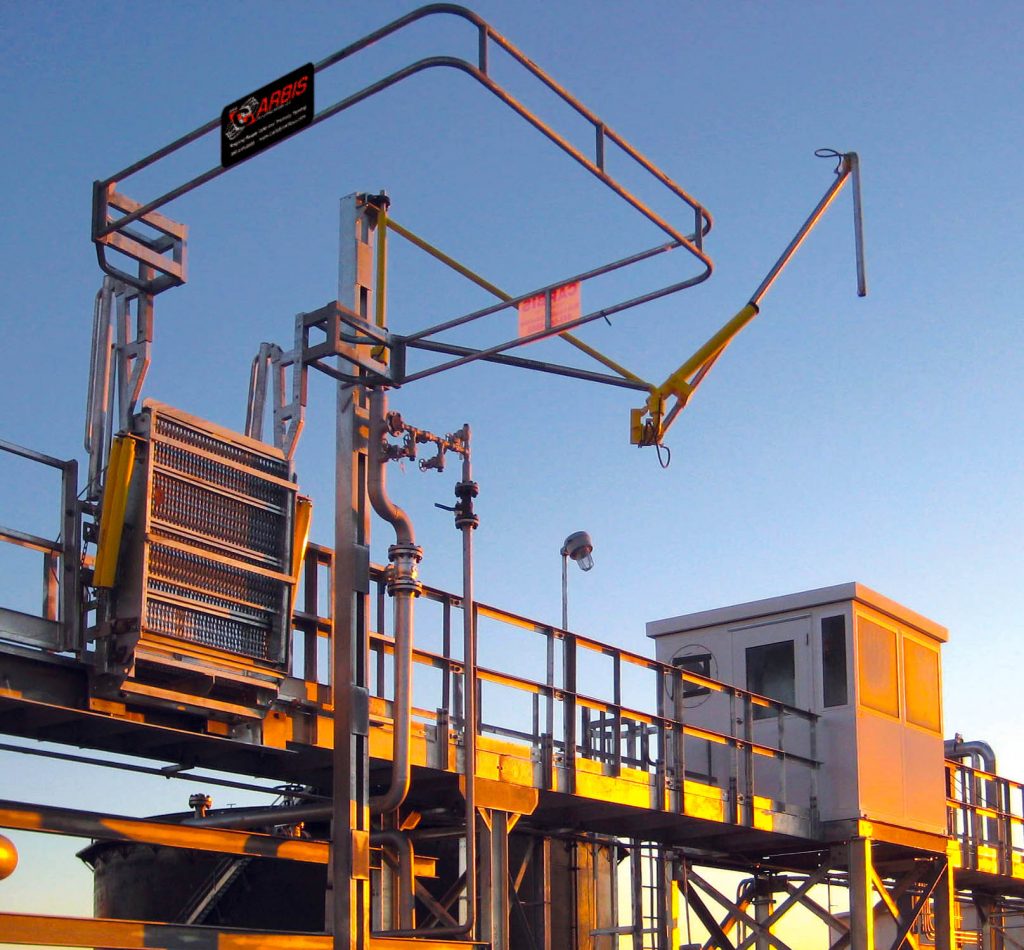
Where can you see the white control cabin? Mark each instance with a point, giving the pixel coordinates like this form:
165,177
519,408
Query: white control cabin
867,666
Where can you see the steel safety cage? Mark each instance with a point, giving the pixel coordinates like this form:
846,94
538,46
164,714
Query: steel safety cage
162,254
196,564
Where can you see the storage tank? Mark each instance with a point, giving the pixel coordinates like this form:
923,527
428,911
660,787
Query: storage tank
173,885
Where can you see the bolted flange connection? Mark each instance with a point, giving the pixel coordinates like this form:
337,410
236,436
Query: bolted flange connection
465,516
402,573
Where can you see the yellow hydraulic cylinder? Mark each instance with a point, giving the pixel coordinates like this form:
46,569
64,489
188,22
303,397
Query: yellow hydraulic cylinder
112,511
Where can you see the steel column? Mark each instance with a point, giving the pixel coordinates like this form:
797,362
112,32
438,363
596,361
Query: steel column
762,909
862,916
348,898
494,882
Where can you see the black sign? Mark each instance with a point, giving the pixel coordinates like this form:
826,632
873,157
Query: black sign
257,121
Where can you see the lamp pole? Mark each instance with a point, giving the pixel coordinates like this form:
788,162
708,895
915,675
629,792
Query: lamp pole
579,547
565,590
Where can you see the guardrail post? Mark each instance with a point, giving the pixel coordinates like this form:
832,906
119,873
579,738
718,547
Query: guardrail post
71,560
569,709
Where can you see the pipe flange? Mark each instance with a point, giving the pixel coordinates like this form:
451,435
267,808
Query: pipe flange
401,575
399,551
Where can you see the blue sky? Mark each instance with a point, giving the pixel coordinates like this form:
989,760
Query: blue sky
839,439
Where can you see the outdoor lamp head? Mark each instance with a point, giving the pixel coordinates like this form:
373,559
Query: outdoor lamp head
579,547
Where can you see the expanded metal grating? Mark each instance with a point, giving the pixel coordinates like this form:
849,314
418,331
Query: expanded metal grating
173,429
211,630
189,571
217,473
193,507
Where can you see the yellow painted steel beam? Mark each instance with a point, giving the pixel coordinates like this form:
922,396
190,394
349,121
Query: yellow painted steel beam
683,382
677,383
601,358
447,260
43,930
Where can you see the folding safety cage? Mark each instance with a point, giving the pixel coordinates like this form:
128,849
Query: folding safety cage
206,560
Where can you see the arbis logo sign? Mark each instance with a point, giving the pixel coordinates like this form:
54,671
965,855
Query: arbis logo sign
264,117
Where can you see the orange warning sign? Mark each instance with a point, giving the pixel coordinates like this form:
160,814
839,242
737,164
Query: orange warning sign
537,314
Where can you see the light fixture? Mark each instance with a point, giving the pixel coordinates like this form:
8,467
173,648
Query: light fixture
580,548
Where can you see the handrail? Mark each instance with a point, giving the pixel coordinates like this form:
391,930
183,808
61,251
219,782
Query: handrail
565,720
61,559
985,811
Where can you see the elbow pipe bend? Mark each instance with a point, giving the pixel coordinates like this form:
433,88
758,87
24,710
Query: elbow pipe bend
377,478
976,749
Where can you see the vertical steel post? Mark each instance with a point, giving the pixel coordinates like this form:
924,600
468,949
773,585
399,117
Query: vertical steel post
69,586
862,916
494,883
348,911
565,593
544,895
988,936
762,910
945,909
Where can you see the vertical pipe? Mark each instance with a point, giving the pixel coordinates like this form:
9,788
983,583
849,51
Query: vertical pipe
858,225
403,586
466,521
401,847
569,709
762,911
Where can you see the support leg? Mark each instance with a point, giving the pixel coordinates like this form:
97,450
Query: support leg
494,883
862,916
945,909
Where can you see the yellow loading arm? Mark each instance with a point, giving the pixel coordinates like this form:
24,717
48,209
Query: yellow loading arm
649,424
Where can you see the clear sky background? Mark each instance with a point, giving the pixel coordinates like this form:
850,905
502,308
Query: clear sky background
838,439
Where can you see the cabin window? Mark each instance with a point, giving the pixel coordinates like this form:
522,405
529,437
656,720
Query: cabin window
833,661
921,684
699,663
877,665
771,671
